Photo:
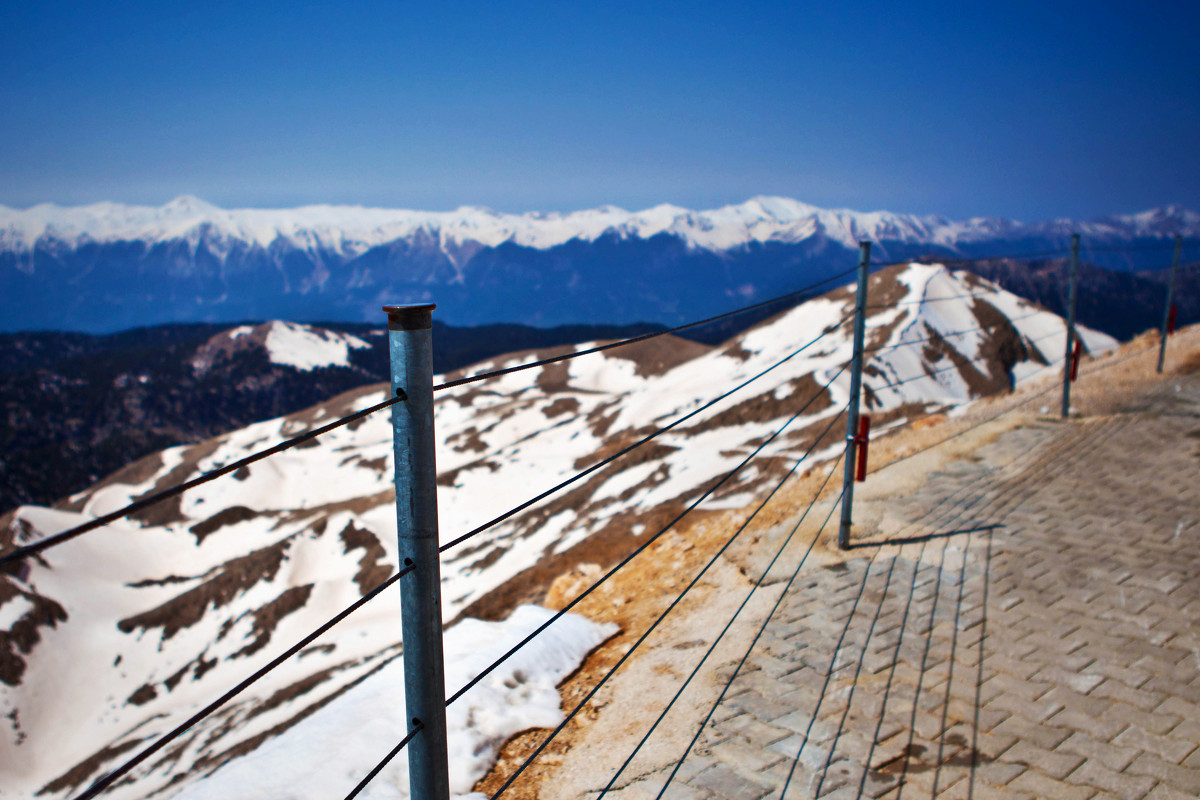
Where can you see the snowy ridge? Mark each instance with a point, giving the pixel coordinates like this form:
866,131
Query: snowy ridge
238,569
351,230
287,344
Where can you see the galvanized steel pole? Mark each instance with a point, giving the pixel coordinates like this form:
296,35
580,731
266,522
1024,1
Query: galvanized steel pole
1162,344
856,365
1066,393
410,339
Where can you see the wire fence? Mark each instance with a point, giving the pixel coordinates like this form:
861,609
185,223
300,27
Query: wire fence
845,413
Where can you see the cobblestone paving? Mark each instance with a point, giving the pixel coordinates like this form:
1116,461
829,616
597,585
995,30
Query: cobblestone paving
1036,636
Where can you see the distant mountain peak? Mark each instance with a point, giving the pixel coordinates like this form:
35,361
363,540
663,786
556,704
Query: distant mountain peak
190,204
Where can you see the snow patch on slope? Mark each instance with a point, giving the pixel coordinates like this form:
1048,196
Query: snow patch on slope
287,344
307,348
328,753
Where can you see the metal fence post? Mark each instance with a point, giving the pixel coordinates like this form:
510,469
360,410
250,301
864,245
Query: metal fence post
410,340
1066,392
856,365
1162,344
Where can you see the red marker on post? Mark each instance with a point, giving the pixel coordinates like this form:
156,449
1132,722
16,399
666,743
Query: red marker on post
1075,360
863,439
1171,319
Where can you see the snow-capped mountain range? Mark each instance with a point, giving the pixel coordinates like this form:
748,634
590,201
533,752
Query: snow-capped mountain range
352,230
108,266
113,638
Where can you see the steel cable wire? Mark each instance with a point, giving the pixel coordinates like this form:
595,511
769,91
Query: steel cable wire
645,634
862,586
887,689
98,522
950,368
962,582
418,726
924,300
982,422
737,670
606,461
950,334
996,416
558,614
887,583
105,781
987,570
757,585
912,723
634,339
931,259
959,513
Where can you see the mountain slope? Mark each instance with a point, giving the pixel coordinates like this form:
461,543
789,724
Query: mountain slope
1120,303
168,609
78,407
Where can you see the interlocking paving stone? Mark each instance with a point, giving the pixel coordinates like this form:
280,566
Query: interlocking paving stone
1110,755
1096,773
1164,792
1166,748
1041,785
1089,685
724,782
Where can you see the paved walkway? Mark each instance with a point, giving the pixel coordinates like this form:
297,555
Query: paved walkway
1036,638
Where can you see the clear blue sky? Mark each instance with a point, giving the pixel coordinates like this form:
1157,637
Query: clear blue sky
1029,110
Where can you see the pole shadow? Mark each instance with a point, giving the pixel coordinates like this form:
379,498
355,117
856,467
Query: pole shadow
924,538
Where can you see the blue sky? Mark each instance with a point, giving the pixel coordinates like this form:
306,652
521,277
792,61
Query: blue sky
1029,110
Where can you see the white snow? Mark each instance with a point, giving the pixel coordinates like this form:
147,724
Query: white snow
328,753
307,348
12,610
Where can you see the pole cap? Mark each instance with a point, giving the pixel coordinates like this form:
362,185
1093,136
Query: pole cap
417,317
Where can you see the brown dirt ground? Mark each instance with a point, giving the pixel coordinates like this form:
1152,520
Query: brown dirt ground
595,741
